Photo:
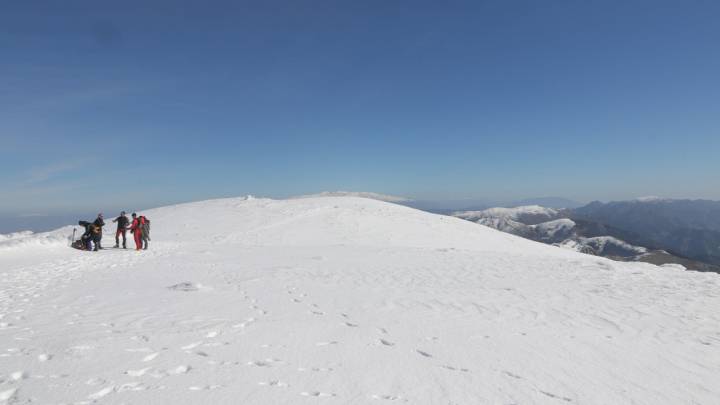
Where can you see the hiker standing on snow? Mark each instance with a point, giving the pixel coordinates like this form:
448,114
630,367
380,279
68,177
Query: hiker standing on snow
136,230
97,236
145,228
122,223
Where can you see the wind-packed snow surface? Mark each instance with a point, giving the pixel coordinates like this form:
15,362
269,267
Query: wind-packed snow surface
363,194
345,300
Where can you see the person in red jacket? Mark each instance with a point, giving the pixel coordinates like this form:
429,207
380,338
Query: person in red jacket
136,230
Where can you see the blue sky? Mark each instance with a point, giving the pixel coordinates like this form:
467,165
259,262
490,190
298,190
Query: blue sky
138,104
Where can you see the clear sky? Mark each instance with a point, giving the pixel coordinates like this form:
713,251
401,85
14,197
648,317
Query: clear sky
142,103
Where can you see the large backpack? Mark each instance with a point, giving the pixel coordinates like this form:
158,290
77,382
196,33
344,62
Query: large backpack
145,226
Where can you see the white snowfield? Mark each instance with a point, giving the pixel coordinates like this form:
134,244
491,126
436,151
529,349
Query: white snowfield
345,300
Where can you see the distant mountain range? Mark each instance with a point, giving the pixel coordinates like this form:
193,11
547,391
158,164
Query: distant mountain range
652,230
689,228
450,206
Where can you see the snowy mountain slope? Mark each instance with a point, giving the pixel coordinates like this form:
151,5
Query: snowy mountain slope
549,232
507,225
604,246
556,229
343,300
362,194
529,215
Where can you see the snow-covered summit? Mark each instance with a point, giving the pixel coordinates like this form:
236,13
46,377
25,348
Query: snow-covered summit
551,228
327,221
362,194
347,300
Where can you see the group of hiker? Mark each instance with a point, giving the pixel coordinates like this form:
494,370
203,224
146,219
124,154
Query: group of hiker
139,227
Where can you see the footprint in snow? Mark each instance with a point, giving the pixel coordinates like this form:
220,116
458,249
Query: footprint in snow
316,394
263,363
386,397
191,346
452,368
555,396
137,373
184,286
352,325
44,357
18,375
95,381
150,357
314,369
244,324
103,392
424,354
386,342
131,386
8,395
183,369
205,388
273,383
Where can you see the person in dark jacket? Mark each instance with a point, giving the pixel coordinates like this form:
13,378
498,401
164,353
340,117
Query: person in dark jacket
122,224
97,236
87,236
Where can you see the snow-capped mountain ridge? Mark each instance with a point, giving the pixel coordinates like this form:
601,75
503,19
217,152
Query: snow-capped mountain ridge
690,228
552,226
512,213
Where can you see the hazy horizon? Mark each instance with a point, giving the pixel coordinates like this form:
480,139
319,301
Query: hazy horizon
46,221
